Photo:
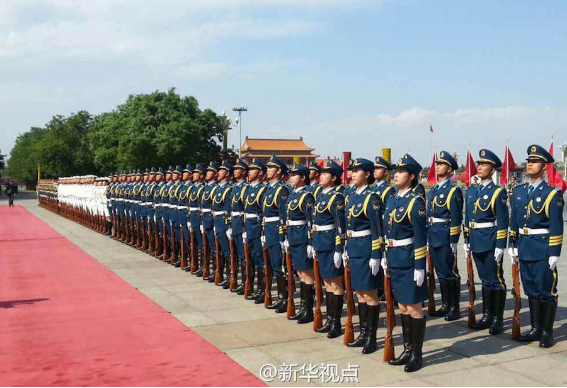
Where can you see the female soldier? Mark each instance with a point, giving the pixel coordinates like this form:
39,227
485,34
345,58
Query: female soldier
298,210
406,239
364,251
328,222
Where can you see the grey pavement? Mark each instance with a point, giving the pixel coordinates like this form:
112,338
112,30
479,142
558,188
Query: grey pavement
254,336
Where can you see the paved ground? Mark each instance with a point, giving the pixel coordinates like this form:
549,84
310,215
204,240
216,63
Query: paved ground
253,336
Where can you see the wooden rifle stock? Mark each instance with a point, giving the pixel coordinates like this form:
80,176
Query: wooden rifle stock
144,234
248,284
472,291
183,247
517,300
218,273
290,285
318,318
431,285
206,256
233,270
267,278
173,251
349,329
164,241
390,318
193,249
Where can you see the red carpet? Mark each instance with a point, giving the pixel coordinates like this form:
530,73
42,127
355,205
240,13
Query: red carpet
66,320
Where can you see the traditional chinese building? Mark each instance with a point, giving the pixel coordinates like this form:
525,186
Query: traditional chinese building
285,149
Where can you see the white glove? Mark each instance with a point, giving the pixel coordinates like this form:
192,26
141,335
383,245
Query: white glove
229,233
384,263
418,276
310,252
498,254
215,230
374,266
454,248
286,245
244,237
263,240
202,229
345,258
337,259
155,219
553,262
513,253
467,248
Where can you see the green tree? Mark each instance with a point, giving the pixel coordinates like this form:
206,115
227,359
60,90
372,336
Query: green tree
2,163
156,129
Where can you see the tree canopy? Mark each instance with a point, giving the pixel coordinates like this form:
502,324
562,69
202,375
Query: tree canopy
156,129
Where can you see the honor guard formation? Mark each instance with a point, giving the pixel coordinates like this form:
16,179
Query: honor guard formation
243,225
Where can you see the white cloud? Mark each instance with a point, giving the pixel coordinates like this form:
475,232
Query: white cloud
408,130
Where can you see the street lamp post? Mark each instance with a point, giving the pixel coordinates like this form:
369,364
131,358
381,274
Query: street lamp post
563,149
240,110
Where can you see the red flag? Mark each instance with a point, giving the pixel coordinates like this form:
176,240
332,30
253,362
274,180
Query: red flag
553,176
470,169
432,175
430,128
507,166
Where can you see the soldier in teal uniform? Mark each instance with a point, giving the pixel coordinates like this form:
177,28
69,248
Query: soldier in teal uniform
384,189
221,214
406,239
240,171
363,252
183,210
195,218
328,224
536,237
252,235
175,223
298,212
207,225
445,216
273,212
486,235
158,211
314,173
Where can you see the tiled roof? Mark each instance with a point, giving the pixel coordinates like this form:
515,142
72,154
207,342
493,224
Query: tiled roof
254,144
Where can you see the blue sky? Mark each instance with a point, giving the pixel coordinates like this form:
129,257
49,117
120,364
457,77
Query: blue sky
353,75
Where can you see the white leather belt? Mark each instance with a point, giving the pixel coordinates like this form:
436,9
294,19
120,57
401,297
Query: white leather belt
194,209
182,207
296,222
359,233
323,228
237,214
219,213
271,219
400,243
205,210
528,231
250,215
435,220
481,225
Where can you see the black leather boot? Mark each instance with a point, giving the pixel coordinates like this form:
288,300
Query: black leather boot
454,300
253,294
261,287
406,333
535,319
240,289
211,278
307,315
549,309
498,302
329,300
199,272
336,327
370,345
280,305
417,335
487,318
226,283
445,299
301,303
362,314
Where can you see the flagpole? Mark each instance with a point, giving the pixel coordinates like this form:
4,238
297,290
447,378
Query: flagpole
468,165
